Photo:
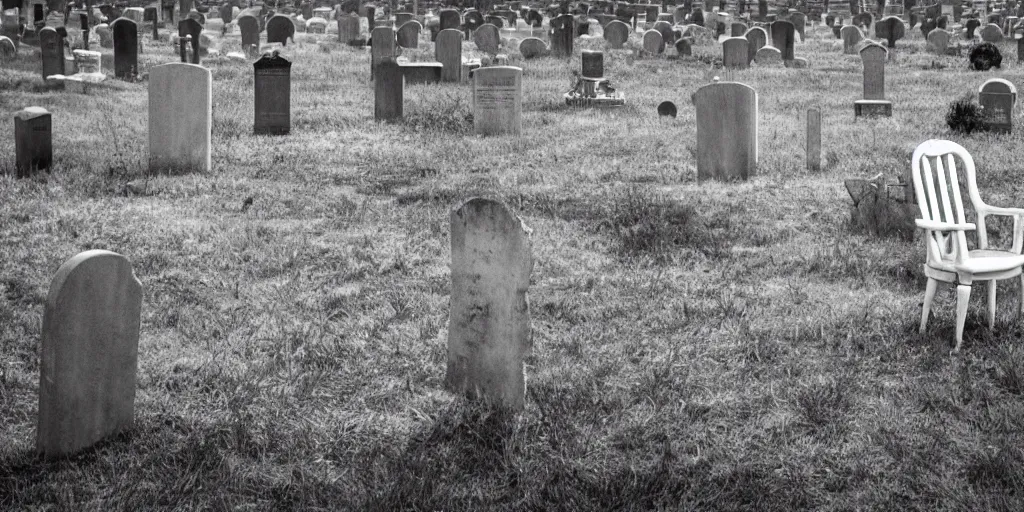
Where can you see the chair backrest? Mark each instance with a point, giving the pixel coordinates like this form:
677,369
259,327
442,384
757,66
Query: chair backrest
937,187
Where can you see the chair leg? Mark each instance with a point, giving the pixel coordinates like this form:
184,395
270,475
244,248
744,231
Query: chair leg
992,304
963,297
929,294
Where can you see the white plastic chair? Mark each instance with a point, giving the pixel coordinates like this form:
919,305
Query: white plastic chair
942,217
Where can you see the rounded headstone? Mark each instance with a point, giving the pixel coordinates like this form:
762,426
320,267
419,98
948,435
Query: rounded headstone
616,33
667,108
653,42
768,55
532,47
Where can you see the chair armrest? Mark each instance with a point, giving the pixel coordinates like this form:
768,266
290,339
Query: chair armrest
944,226
998,210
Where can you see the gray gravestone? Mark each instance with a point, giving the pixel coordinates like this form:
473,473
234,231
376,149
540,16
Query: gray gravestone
33,141
757,38
89,353
874,103
106,38
738,29
489,324
726,131
783,38
180,117
653,44
684,47
448,51
734,53
192,29
382,46
388,89
450,19
891,29
272,79
938,41
998,97
562,34
767,56
408,34
616,33
348,28
593,64
487,38
532,47
51,46
126,48
799,21
279,29
498,100
249,27
991,33
814,139
667,34
852,36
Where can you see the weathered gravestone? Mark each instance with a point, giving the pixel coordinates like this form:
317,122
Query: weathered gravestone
180,117
767,56
997,98
498,100
814,139
348,28
88,353
33,141
738,29
51,47
684,47
938,41
562,34
532,47
874,103
448,51
190,29
249,27
734,53
449,19
616,33
852,37
799,21
401,18
757,38
382,46
487,38
408,35
489,324
388,89
653,44
726,131
991,33
783,38
891,29
665,29
126,48
106,38
877,212
279,29
272,79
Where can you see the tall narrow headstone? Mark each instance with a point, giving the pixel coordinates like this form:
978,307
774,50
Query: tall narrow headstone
249,27
799,21
593,64
562,34
852,36
126,48
489,324
734,53
371,18
51,46
280,29
448,51
756,39
33,141
180,117
726,131
191,28
616,33
997,98
388,90
814,139
382,46
653,44
348,28
272,78
152,15
874,103
498,100
89,353
783,38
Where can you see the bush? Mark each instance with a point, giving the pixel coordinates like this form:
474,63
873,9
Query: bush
985,56
964,115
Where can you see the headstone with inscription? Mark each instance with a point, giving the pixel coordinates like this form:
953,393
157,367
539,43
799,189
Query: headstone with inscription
873,57
997,98
180,118
498,100
272,84
726,131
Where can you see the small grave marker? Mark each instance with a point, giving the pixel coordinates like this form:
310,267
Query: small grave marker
814,139
998,97
272,84
388,89
33,141
498,100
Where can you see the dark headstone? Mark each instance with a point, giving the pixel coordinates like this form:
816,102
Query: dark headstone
667,108
279,29
272,79
227,13
562,35
783,38
191,28
33,141
388,91
997,97
970,26
51,46
126,48
593,64
249,26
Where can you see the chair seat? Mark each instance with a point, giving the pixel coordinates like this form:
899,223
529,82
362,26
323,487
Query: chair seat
988,260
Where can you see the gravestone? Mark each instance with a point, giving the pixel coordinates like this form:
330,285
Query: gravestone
450,19
423,72
51,47
126,48
279,29
272,79
737,29
667,34
991,33
726,131
653,44
873,57
734,53
106,39
799,21
152,15
371,18
401,18
757,38
382,46
767,56
667,109
191,28
388,89
783,38
33,141
998,98
562,34
616,33
532,47
408,35
316,25
877,212
814,139
489,323
938,41
487,38
227,13
180,117
592,64
684,47
249,27
891,29
852,36
88,353
498,100
970,26
348,28
472,20
448,51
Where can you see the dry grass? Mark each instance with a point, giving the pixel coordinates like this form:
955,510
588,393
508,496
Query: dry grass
697,346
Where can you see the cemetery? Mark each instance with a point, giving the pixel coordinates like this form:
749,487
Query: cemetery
522,256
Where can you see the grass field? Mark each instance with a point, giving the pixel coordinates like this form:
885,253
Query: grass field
697,346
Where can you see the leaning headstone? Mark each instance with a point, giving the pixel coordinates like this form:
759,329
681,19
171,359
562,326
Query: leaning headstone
891,29
991,33
997,98
498,100
852,36
726,131
191,28
51,47
88,353
273,84
408,35
873,57
382,46
33,141
938,41
532,47
180,117
734,53
388,89
487,38
562,34
783,38
757,38
448,51
249,27
126,48
814,139
653,44
767,56
616,33
279,29
489,324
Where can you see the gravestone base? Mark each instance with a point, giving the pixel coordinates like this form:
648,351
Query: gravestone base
867,108
421,72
